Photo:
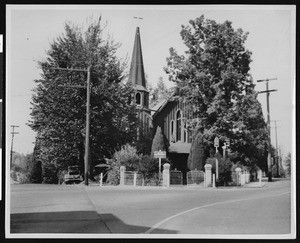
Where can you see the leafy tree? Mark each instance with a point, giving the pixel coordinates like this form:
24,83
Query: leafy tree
158,142
160,92
287,163
213,78
59,113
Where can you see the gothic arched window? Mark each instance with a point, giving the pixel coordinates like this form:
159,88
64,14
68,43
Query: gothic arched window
138,98
178,125
172,137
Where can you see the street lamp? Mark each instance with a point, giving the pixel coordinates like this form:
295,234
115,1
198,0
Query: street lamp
87,126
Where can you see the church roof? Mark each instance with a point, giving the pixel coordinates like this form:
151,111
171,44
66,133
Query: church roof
137,73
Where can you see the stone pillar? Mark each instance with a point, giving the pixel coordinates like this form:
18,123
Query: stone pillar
134,178
207,168
166,175
122,175
101,179
238,176
260,177
214,181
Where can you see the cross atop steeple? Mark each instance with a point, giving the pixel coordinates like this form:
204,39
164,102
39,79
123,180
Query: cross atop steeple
138,19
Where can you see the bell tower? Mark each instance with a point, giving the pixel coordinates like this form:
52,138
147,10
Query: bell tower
138,80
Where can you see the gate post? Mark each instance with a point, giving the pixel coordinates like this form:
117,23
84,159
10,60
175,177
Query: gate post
122,175
101,179
260,177
134,179
166,175
208,174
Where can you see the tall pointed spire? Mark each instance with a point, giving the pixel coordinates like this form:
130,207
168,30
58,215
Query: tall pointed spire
137,74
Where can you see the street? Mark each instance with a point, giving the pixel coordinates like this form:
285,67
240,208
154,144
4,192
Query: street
45,208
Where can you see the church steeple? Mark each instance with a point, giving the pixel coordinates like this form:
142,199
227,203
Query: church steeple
137,73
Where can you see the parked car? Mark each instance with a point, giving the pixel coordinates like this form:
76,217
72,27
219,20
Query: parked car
73,175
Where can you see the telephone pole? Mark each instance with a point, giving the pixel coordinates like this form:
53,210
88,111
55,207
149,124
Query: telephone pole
267,91
87,126
12,142
277,153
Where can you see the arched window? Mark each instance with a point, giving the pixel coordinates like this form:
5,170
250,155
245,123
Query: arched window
178,125
172,137
138,98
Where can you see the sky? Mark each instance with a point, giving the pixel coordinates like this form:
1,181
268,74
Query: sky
30,30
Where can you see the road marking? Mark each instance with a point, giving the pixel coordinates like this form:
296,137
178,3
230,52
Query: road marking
205,206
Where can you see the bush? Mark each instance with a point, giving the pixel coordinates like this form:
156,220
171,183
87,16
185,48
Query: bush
158,142
50,174
196,156
127,157
35,174
225,166
148,166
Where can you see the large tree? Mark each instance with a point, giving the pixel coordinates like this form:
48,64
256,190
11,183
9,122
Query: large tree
213,77
59,112
160,92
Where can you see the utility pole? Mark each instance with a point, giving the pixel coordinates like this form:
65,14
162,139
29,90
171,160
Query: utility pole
267,91
87,126
12,142
277,153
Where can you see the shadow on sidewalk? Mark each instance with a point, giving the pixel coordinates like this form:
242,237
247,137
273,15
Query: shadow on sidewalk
74,222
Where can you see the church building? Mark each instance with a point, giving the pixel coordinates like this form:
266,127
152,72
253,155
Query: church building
170,115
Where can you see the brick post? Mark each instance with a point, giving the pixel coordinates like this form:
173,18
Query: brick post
122,175
166,175
208,174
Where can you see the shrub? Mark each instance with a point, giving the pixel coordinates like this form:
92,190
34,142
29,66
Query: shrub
196,156
225,166
127,157
35,175
50,174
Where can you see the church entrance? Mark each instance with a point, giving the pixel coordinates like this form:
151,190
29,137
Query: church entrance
179,162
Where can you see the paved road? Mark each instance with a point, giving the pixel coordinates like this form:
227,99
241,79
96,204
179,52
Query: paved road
177,210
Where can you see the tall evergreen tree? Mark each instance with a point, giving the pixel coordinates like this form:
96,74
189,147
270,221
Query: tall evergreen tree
213,77
59,112
158,142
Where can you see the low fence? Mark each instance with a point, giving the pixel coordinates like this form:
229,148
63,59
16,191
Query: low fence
239,177
133,179
200,178
195,177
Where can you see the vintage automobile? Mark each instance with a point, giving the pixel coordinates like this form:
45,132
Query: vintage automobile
73,175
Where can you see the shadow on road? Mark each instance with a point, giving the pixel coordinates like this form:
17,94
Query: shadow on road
74,222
